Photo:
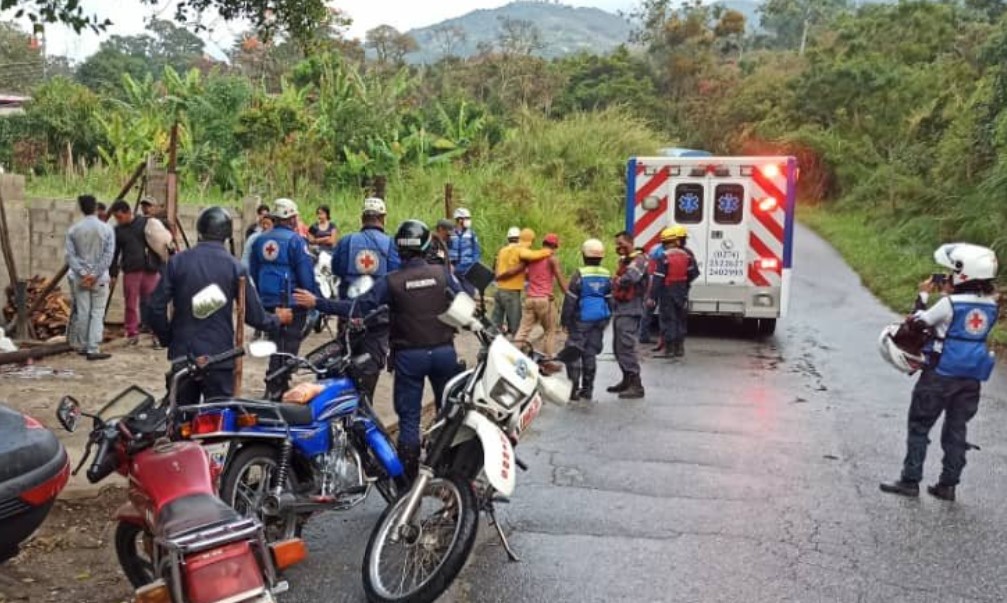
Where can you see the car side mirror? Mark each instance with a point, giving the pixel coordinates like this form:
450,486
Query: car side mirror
68,413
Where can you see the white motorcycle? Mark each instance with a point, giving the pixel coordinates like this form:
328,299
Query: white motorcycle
422,541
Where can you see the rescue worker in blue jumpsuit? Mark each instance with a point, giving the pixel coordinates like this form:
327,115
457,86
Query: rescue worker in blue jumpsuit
367,252
957,362
670,286
587,308
280,263
185,334
422,346
464,247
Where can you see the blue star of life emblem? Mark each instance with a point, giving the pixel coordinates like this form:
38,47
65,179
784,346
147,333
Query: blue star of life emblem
728,203
689,203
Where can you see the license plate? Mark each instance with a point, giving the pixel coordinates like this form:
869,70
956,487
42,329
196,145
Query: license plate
217,453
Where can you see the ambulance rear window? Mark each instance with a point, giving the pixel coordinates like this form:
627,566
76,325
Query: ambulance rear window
730,204
689,203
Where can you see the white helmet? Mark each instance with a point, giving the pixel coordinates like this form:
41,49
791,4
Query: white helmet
907,362
374,205
284,208
593,248
513,232
462,213
968,262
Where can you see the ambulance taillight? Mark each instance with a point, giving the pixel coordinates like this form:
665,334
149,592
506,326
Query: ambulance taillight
770,171
769,264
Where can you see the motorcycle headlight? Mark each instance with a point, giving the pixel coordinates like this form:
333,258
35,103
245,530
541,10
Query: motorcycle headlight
505,394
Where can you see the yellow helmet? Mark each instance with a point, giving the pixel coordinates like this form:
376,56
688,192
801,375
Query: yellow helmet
593,248
674,232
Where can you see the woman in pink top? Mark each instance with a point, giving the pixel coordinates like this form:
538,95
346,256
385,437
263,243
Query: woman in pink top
538,304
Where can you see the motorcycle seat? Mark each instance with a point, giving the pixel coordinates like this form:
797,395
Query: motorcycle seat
297,414
193,512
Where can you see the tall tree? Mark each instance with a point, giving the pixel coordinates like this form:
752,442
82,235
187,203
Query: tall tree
448,39
21,64
791,20
389,44
519,37
296,18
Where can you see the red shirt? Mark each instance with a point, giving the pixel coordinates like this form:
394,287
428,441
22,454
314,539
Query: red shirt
540,276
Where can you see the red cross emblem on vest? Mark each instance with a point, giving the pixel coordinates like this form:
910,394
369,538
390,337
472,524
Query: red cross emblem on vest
366,261
975,322
270,251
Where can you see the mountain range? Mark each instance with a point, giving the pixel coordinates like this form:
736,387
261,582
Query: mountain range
564,30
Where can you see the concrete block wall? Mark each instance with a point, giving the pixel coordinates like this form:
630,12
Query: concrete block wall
38,229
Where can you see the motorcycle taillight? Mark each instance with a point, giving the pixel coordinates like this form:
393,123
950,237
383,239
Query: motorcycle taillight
227,573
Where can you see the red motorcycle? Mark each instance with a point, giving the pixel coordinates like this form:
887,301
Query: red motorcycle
175,540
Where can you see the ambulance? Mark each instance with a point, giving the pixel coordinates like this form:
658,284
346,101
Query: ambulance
739,212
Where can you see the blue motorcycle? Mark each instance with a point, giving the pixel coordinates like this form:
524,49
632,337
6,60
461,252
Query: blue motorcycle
283,462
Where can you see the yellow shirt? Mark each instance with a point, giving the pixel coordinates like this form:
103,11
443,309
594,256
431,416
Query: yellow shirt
510,257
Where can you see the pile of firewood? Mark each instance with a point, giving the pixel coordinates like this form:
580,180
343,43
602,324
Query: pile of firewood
52,317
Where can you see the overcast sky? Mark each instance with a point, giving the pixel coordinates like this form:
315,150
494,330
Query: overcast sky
128,17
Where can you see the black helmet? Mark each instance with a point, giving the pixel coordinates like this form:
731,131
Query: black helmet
412,238
214,224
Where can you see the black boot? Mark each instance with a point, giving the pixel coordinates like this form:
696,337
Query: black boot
620,386
587,386
942,492
634,389
902,488
574,375
410,458
679,348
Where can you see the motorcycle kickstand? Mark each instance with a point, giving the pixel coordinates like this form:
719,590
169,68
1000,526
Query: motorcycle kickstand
491,511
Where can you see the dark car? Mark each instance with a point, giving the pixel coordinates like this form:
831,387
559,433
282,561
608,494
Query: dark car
34,468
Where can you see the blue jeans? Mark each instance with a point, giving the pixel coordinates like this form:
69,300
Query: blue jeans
87,327
412,368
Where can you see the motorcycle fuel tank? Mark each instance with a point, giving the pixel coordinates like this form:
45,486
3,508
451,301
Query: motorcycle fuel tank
170,470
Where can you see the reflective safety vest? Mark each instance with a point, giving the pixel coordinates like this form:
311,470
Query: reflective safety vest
595,289
963,351
676,266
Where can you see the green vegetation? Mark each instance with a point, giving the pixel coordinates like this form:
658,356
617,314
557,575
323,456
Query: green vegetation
896,112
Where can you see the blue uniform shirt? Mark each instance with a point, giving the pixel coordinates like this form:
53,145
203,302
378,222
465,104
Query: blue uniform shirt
369,251
186,274
280,263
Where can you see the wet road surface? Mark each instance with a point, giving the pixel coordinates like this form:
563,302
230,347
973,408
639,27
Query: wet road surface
750,473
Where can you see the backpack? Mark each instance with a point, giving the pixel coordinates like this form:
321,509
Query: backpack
158,239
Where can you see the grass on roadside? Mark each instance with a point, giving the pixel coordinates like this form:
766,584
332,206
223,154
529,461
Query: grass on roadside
891,266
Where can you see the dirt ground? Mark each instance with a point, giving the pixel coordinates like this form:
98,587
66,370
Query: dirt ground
71,558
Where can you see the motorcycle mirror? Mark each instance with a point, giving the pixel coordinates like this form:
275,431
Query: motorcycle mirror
261,348
68,413
360,286
208,300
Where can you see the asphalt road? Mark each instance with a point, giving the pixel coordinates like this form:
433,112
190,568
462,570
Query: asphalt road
750,473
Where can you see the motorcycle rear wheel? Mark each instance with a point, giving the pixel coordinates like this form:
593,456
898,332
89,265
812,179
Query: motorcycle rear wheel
246,498
454,518
132,547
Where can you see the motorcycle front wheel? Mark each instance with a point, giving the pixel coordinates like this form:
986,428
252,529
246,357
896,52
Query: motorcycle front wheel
245,483
418,565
